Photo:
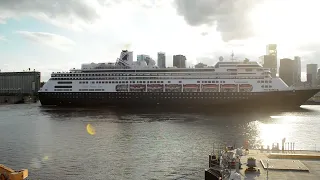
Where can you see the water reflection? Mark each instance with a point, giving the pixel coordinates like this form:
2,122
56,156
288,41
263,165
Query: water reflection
259,128
148,143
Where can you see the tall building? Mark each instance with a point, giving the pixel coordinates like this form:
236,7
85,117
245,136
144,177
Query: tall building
297,70
318,77
141,57
286,71
179,61
270,62
270,59
312,74
161,60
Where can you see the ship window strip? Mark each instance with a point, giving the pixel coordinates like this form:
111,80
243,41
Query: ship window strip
65,82
62,86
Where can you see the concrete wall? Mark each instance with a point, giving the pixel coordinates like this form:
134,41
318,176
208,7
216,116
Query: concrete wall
10,99
27,82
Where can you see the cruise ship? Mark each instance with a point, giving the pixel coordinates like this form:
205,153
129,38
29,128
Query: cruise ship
227,84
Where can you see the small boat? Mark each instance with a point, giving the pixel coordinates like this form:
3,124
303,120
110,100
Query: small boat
10,174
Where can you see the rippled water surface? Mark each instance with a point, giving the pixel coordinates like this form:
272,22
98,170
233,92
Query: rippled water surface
138,144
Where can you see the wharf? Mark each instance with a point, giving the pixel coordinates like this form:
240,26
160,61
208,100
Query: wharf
290,165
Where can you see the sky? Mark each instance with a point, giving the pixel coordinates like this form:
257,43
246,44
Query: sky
58,35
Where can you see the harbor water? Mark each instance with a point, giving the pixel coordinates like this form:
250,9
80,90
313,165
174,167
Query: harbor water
111,143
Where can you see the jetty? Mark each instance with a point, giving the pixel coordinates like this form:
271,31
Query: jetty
256,164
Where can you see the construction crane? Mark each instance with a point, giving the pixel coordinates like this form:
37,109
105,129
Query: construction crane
10,174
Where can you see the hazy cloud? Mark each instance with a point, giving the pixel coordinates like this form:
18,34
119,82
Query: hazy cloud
67,11
52,40
72,14
229,16
2,38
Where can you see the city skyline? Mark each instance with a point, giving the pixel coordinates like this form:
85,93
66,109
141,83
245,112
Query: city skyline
47,38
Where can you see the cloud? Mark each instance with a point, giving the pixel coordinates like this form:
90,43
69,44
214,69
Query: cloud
229,16
49,39
71,13
2,38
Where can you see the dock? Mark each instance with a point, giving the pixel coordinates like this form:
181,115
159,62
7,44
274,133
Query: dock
289,165
228,163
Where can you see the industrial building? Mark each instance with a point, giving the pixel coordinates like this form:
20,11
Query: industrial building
179,61
27,83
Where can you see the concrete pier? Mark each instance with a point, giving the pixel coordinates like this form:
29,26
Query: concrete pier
11,99
282,166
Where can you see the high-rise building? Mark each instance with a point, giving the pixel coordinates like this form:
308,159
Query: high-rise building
286,71
318,77
312,74
270,59
297,70
270,62
179,61
141,57
272,50
161,60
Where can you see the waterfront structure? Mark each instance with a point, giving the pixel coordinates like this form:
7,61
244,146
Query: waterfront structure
27,82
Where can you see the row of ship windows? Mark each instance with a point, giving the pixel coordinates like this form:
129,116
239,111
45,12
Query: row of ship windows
62,89
161,94
149,74
163,97
204,77
266,86
91,89
133,82
264,81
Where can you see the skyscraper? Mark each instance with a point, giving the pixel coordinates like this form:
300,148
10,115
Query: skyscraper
286,71
179,61
312,74
161,60
297,70
318,78
270,59
141,57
